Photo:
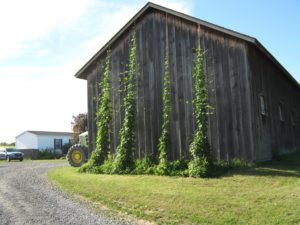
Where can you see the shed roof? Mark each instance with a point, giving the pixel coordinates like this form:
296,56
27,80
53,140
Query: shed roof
50,133
81,73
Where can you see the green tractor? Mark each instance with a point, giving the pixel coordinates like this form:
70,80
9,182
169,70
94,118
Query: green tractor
78,153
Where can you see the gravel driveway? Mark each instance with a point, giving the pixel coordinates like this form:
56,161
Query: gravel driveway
26,197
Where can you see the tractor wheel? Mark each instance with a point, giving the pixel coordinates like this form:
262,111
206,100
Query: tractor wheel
77,155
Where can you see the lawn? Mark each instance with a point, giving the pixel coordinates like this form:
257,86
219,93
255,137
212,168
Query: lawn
266,194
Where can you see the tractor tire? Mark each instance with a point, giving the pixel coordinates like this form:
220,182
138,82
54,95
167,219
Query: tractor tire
77,155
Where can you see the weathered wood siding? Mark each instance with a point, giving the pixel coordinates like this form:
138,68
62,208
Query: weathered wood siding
233,127
271,134
92,107
230,127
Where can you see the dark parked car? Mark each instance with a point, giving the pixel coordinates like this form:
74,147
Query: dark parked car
11,154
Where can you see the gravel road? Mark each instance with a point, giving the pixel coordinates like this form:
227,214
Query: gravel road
26,197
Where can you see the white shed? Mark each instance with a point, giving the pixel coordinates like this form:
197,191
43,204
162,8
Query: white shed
42,140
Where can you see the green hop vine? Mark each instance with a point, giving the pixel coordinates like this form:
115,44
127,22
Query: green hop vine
164,140
124,155
104,117
200,148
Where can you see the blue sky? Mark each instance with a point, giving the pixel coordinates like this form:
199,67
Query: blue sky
276,24
44,43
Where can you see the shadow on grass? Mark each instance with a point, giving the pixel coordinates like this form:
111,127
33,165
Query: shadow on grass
268,171
284,166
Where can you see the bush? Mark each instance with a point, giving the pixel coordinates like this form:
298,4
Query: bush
220,167
49,154
88,168
108,165
105,168
183,167
148,166
199,167
144,166
179,168
239,164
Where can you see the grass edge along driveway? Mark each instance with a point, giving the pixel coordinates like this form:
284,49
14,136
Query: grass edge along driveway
267,194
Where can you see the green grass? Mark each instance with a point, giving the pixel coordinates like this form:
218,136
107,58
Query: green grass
268,194
45,160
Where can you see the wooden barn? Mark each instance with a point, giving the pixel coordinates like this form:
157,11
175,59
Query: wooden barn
256,101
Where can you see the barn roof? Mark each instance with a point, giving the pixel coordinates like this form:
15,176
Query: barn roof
81,73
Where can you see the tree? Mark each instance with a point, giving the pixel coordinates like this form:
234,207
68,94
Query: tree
79,125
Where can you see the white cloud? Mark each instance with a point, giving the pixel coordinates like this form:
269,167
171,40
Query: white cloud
24,21
37,98
43,52
178,5
109,22
45,97
116,15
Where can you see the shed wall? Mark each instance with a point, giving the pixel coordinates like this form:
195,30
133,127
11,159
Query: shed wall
47,141
27,140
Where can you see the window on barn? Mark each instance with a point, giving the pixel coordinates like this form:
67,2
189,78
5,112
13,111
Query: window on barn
263,106
280,111
57,143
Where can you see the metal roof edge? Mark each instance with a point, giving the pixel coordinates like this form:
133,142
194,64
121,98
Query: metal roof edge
45,132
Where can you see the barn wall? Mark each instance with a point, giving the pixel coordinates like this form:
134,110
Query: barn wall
92,89
272,134
230,128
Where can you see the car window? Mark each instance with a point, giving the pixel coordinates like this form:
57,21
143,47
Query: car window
10,150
